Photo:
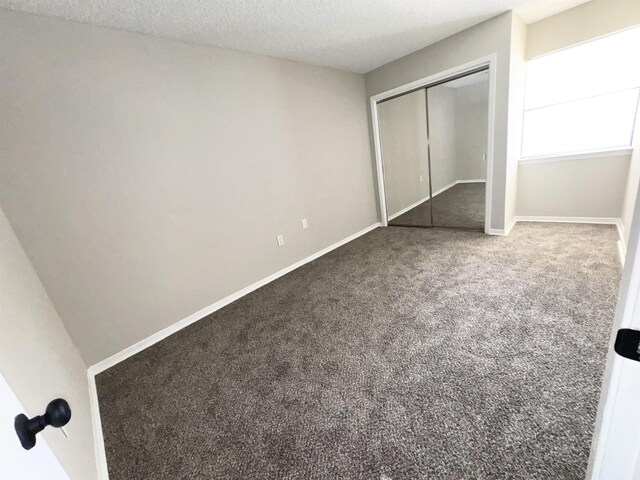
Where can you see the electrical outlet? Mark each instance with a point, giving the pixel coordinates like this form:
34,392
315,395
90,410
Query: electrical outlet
420,178
305,225
280,239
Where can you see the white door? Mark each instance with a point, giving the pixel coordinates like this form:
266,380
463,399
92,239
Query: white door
617,437
16,463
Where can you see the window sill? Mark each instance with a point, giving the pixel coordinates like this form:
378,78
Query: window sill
611,152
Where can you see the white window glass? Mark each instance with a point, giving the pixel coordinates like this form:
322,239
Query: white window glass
596,123
583,98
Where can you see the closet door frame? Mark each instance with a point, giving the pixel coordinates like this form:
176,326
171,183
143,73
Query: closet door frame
478,65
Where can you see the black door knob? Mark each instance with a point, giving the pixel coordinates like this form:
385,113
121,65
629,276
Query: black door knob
57,414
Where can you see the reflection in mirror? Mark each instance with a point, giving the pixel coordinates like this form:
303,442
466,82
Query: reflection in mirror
457,116
403,137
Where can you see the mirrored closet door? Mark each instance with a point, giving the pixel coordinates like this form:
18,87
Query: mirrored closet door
457,112
433,142
403,138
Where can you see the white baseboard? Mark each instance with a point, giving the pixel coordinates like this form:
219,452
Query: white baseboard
512,224
622,251
477,180
96,422
622,244
437,192
101,458
502,232
553,219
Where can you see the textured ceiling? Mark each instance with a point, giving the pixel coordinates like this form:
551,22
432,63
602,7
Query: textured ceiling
354,35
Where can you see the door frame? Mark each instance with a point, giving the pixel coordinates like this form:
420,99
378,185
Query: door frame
626,316
487,61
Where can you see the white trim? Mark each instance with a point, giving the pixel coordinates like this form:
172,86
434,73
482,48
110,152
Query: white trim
503,232
622,251
549,219
438,192
622,244
96,422
491,119
475,180
612,152
489,61
171,329
379,165
512,224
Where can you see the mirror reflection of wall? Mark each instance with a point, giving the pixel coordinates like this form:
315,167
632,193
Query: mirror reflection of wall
434,144
458,113
403,137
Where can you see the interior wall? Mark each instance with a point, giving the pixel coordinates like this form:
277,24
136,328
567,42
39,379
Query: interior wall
582,187
148,178
487,38
442,133
39,360
581,23
403,135
471,110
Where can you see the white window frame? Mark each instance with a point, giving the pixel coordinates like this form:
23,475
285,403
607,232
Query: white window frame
587,153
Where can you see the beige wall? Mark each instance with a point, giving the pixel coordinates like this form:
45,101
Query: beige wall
148,178
403,135
38,359
579,24
492,36
584,187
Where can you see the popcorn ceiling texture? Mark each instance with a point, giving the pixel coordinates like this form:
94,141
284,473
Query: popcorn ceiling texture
407,353
353,35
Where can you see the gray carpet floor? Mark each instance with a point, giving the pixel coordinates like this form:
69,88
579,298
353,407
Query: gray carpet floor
461,206
407,353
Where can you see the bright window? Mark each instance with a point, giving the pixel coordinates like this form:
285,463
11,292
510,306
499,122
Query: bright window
584,98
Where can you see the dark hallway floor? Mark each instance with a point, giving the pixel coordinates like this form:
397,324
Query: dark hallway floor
461,206
407,353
